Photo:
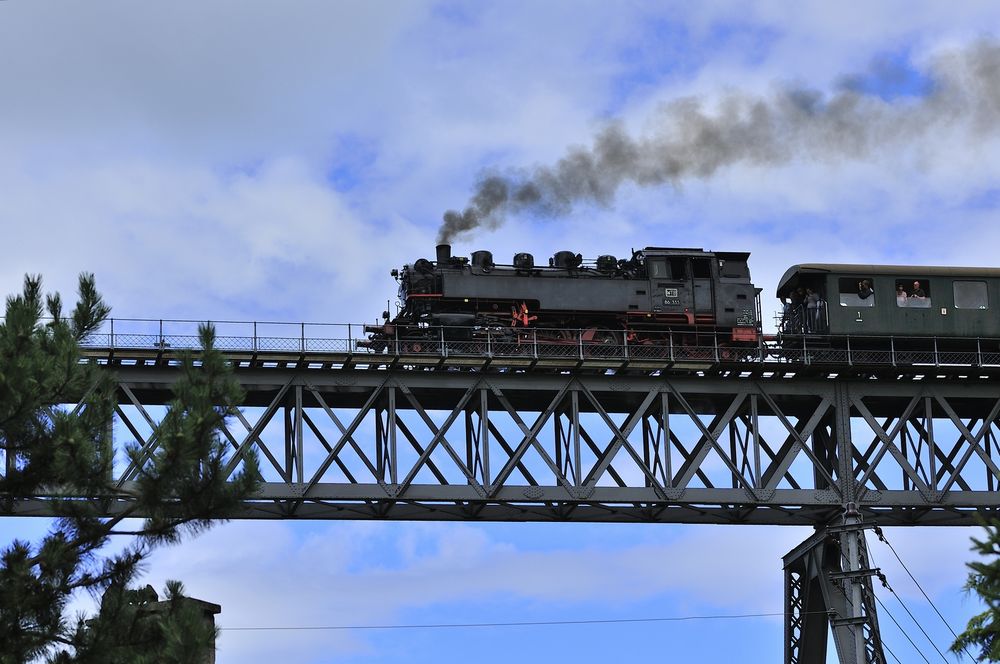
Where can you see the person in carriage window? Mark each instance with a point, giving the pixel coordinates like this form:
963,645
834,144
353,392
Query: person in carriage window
865,289
900,295
918,292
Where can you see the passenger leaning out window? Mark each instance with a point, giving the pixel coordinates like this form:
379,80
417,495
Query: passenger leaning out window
865,289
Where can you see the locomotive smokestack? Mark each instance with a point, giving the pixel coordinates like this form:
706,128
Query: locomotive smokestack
443,254
958,96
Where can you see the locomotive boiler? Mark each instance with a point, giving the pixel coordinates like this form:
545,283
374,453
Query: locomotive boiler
687,293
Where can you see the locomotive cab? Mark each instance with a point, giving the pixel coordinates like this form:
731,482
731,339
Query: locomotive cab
704,290
681,286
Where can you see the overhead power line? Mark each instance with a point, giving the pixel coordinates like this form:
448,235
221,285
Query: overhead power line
885,609
917,623
889,650
521,623
885,584
885,540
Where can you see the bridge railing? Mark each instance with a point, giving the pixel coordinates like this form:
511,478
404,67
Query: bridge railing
274,338
231,336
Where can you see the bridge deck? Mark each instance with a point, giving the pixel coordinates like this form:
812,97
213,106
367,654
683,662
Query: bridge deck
334,346
776,435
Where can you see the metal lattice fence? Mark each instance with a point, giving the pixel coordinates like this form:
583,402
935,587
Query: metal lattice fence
270,338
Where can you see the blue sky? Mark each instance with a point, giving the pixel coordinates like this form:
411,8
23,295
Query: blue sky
234,160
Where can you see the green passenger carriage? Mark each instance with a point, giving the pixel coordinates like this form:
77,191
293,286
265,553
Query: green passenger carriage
890,300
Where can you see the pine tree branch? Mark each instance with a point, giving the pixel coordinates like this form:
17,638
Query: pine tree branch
180,487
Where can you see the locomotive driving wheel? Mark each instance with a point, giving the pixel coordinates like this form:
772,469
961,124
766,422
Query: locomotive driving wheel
605,342
412,347
607,337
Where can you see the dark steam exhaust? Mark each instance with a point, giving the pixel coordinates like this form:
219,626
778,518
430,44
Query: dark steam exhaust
688,140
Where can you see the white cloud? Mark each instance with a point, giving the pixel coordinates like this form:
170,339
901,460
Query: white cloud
235,160
222,78
276,241
366,574
153,132
168,149
363,573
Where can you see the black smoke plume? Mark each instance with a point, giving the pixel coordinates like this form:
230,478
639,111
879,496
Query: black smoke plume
959,91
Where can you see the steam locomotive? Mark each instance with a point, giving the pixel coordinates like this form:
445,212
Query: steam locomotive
687,297
689,294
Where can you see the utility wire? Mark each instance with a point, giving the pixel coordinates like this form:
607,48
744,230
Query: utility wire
885,647
885,584
882,537
903,631
889,650
917,623
523,623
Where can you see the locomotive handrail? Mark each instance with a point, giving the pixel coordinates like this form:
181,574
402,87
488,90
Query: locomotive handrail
302,341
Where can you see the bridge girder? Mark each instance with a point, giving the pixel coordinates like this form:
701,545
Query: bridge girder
556,439
412,443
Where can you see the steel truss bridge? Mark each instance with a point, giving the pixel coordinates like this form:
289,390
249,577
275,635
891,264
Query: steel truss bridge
499,430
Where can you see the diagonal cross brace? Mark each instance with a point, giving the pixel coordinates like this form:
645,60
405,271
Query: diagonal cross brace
709,439
888,445
419,449
801,438
147,446
343,432
497,436
947,460
347,435
973,441
439,439
322,441
261,445
621,439
530,438
254,434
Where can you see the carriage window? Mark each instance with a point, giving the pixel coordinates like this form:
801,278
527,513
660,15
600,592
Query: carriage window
857,291
913,293
971,295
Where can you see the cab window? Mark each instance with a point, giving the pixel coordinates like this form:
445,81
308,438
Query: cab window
701,268
657,268
678,268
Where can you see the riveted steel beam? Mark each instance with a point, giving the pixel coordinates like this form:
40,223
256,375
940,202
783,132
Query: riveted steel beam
569,444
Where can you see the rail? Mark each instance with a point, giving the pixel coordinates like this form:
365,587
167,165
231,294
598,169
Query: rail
262,339
802,319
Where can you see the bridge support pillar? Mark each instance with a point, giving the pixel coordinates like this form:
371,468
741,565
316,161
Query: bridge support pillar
828,588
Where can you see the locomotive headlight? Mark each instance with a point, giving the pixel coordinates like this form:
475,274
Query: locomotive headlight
394,273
